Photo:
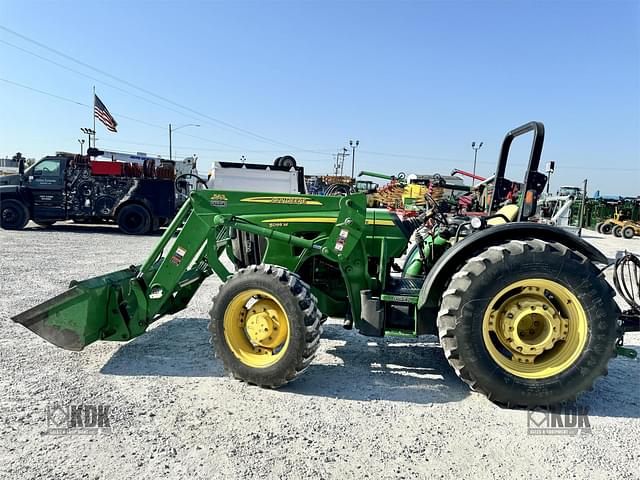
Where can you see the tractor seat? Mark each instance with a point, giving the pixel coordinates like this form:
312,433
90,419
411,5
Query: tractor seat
510,211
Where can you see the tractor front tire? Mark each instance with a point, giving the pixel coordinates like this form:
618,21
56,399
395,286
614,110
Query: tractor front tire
528,323
265,325
606,228
14,215
599,227
628,232
617,231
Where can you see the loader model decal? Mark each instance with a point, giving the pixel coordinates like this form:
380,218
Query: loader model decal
218,200
282,200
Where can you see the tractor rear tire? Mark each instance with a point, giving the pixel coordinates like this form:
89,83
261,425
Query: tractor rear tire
628,232
488,317
265,325
13,215
617,231
599,227
606,228
134,219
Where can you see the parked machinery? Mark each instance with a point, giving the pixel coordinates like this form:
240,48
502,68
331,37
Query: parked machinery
140,194
619,226
522,310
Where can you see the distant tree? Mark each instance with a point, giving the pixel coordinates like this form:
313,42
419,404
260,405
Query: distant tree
29,161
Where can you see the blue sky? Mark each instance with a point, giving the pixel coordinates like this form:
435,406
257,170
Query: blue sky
415,82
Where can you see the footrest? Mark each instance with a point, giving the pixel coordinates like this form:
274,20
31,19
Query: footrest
403,290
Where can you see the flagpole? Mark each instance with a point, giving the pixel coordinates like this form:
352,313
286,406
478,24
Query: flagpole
94,116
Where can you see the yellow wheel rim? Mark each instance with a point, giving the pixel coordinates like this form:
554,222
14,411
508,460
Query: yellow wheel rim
256,328
535,328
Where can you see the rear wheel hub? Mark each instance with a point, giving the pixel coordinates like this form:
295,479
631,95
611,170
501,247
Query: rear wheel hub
535,328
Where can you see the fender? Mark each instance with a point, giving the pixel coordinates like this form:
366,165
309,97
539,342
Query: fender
15,192
450,262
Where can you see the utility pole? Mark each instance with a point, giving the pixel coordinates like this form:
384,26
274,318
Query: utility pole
81,142
171,130
353,146
475,159
340,161
170,149
344,155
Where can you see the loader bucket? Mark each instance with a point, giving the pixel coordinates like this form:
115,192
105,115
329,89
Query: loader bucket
87,312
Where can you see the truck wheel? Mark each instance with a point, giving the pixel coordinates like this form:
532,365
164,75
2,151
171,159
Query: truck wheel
599,227
617,231
134,219
14,215
628,232
265,325
528,323
606,228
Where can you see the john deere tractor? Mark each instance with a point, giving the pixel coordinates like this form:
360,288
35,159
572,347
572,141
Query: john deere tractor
522,310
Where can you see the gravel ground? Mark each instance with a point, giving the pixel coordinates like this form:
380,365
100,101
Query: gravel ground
366,408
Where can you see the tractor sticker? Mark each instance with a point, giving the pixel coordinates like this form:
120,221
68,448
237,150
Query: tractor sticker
218,200
278,224
344,233
177,256
282,200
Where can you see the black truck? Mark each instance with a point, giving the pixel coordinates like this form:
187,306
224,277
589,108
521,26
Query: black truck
139,197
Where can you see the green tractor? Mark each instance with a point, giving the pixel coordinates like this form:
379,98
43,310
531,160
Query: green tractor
523,313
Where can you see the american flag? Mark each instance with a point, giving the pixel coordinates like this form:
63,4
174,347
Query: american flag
102,114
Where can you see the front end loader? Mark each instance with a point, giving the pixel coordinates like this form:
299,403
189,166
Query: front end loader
522,310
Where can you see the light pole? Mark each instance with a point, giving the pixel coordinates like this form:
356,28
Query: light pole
81,142
89,132
171,130
353,146
475,159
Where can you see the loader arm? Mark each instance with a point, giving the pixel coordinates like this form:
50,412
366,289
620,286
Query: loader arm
121,305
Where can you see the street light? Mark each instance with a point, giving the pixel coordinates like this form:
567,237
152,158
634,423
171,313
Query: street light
81,142
89,132
475,158
353,146
171,130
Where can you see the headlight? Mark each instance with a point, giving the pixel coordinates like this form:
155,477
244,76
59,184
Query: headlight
477,223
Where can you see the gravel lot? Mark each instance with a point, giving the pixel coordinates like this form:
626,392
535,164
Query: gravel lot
366,408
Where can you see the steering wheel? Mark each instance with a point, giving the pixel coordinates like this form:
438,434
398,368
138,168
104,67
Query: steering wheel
45,170
436,214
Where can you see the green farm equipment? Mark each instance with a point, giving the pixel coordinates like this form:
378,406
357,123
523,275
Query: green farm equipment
522,312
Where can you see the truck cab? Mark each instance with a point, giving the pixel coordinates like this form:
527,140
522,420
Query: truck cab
37,193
